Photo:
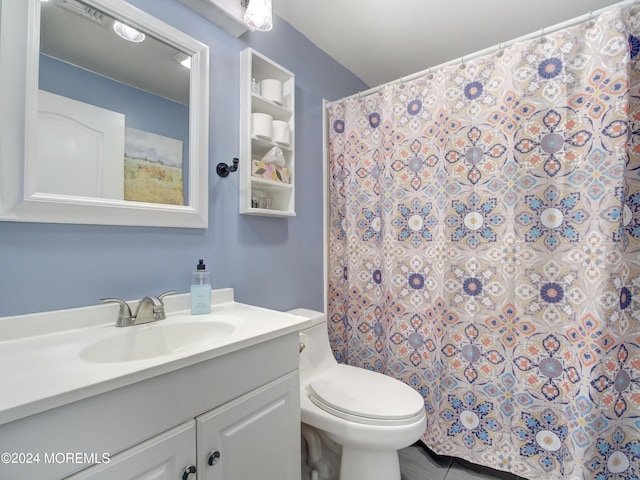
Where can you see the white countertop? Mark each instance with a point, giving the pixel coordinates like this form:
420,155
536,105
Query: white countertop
41,367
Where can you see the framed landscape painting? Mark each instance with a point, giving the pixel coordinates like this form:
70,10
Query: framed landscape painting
152,168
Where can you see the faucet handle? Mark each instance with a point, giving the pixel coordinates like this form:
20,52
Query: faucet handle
162,295
124,314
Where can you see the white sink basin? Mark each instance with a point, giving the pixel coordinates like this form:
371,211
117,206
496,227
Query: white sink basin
55,358
157,339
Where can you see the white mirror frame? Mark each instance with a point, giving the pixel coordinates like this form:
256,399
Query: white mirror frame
19,52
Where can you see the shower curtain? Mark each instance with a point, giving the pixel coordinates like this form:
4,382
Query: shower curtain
484,241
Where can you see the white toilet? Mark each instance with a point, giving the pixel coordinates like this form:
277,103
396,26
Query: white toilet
369,415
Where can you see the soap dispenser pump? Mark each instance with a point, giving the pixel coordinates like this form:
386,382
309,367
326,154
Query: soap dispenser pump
201,290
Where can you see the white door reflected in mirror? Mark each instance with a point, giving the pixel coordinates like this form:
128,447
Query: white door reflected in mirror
80,149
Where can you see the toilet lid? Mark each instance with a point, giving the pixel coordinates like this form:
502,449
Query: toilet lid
364,396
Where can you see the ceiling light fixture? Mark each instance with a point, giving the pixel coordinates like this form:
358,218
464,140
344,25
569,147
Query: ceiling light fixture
258,14
127,32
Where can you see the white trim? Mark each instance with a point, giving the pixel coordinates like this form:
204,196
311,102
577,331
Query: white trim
325,205
460,60
19,201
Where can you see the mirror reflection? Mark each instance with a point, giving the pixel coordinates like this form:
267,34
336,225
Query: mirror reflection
113,109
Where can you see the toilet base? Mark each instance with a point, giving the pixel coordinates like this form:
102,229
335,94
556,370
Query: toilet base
360,465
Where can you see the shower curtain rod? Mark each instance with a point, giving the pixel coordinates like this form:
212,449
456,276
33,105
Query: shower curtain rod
539,33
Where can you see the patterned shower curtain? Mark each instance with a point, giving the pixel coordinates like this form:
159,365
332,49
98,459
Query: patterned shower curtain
484,248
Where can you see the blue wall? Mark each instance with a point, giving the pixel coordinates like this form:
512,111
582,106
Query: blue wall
142,110
272,262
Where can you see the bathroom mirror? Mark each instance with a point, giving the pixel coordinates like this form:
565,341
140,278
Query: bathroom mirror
104,116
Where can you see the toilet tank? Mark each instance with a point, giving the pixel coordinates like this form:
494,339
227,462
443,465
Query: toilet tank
316,355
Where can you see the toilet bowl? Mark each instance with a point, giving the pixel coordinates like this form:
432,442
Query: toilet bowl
369,415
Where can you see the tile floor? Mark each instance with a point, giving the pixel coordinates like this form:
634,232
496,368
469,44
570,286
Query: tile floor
419,463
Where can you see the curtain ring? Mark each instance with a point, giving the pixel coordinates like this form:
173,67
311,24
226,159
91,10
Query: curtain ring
401,82
462,65
590,23
500,50
430,74
543,39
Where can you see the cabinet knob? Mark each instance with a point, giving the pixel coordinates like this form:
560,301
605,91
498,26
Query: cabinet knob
213,457
188,471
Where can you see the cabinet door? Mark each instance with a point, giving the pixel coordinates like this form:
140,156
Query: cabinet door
256,435
163,457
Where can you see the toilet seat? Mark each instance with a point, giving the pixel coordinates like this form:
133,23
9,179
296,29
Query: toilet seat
366,397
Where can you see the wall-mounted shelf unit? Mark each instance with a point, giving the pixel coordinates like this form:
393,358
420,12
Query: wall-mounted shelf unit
273,196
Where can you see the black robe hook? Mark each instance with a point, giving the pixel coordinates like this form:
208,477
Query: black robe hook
224,170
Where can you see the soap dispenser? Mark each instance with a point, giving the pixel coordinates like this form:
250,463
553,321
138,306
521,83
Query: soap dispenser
201,290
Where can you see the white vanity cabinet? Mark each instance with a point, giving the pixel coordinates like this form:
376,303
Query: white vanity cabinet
168,456
266,189
255,436
243,404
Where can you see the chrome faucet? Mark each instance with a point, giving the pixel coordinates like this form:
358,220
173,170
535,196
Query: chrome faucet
150,309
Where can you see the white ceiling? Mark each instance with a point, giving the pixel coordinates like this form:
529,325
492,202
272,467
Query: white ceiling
384,40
